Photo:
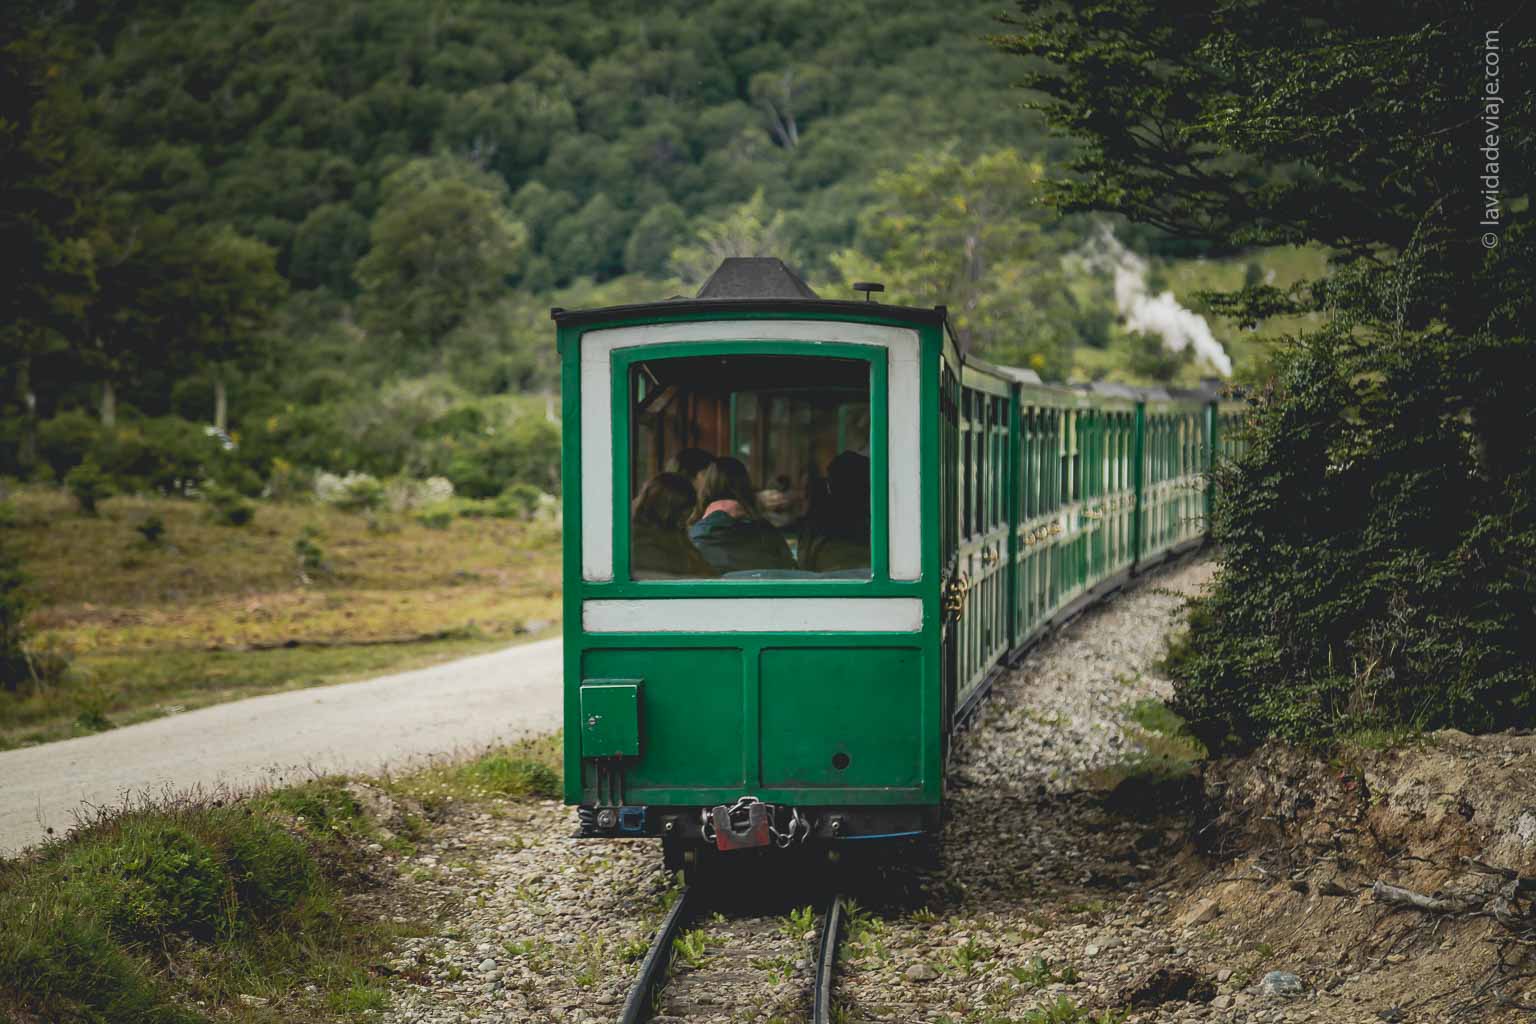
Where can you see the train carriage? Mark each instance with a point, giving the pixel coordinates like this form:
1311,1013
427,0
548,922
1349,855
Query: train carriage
915,519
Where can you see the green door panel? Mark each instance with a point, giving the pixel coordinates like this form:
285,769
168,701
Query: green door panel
610,718
860,708
690,714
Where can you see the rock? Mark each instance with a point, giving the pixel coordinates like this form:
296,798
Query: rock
253,1000
1164,985
1224,975
1221,1002
487,965
1281,985
921,972
1201,913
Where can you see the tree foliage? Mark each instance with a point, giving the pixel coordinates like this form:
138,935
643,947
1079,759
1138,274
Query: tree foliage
974,236
1380,530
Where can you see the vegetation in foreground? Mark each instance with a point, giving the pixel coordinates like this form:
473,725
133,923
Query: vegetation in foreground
254,909
173,610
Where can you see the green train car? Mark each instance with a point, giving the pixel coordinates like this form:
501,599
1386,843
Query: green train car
803,536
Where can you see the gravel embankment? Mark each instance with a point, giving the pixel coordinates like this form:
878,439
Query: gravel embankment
1044,896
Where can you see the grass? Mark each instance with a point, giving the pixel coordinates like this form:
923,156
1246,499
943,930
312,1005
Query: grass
526,769
304,595
166,914
192,909
1166,758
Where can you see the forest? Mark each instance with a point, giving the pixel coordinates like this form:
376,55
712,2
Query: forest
332,232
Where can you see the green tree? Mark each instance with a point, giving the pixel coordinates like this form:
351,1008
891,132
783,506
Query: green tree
235,288
49,278
442,243
1380,531
663,228
971,235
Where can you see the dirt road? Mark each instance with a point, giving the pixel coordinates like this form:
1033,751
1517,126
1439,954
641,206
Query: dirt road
354,726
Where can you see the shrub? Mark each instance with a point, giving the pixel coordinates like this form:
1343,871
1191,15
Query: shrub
154,879
89,485
526,452
1379,543
67,440
518,501
152,529
288,482
436,518
310,555
169,455
355,492
403,494
228,508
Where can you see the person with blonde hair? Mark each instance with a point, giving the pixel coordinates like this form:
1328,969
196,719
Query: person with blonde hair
727,527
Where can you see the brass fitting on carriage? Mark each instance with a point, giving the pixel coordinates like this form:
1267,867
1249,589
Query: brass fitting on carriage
956,592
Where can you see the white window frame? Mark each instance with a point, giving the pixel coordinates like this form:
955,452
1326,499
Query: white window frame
903,420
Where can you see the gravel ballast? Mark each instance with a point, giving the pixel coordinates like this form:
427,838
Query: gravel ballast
1043,897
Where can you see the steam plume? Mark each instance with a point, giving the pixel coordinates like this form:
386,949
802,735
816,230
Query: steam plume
1155,314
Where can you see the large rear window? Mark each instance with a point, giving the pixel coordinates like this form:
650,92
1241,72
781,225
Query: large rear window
749,467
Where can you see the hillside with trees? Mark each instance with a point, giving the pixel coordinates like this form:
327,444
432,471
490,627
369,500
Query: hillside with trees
333,232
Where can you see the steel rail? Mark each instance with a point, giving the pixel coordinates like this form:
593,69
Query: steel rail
826,962
653,969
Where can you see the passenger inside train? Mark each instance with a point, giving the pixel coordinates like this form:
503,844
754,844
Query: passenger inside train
727,527
788,495
659,544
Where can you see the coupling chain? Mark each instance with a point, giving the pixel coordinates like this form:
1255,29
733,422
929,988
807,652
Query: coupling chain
797,830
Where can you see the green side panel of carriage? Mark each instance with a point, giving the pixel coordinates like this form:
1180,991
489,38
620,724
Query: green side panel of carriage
796,718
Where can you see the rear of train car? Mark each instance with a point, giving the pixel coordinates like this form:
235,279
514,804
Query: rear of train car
923,519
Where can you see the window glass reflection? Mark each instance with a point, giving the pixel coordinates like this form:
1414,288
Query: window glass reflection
750,467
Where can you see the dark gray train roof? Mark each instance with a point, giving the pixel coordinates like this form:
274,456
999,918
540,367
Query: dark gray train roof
755,277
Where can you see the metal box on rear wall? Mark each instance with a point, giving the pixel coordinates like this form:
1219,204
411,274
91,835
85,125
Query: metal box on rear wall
610,718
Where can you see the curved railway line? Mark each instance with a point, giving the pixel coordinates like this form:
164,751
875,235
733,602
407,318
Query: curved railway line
650,994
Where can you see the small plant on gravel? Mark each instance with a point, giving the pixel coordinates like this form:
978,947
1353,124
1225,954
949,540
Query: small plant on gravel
590,952
1037,973
633,950
799,921
863,931
924,915
970,955
692,948
1066,1011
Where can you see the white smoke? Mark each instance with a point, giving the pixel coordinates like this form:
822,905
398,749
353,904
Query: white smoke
1154,314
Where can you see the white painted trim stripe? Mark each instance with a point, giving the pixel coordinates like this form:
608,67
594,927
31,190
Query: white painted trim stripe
755,615
903,440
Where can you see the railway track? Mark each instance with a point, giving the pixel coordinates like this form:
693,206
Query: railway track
651,998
